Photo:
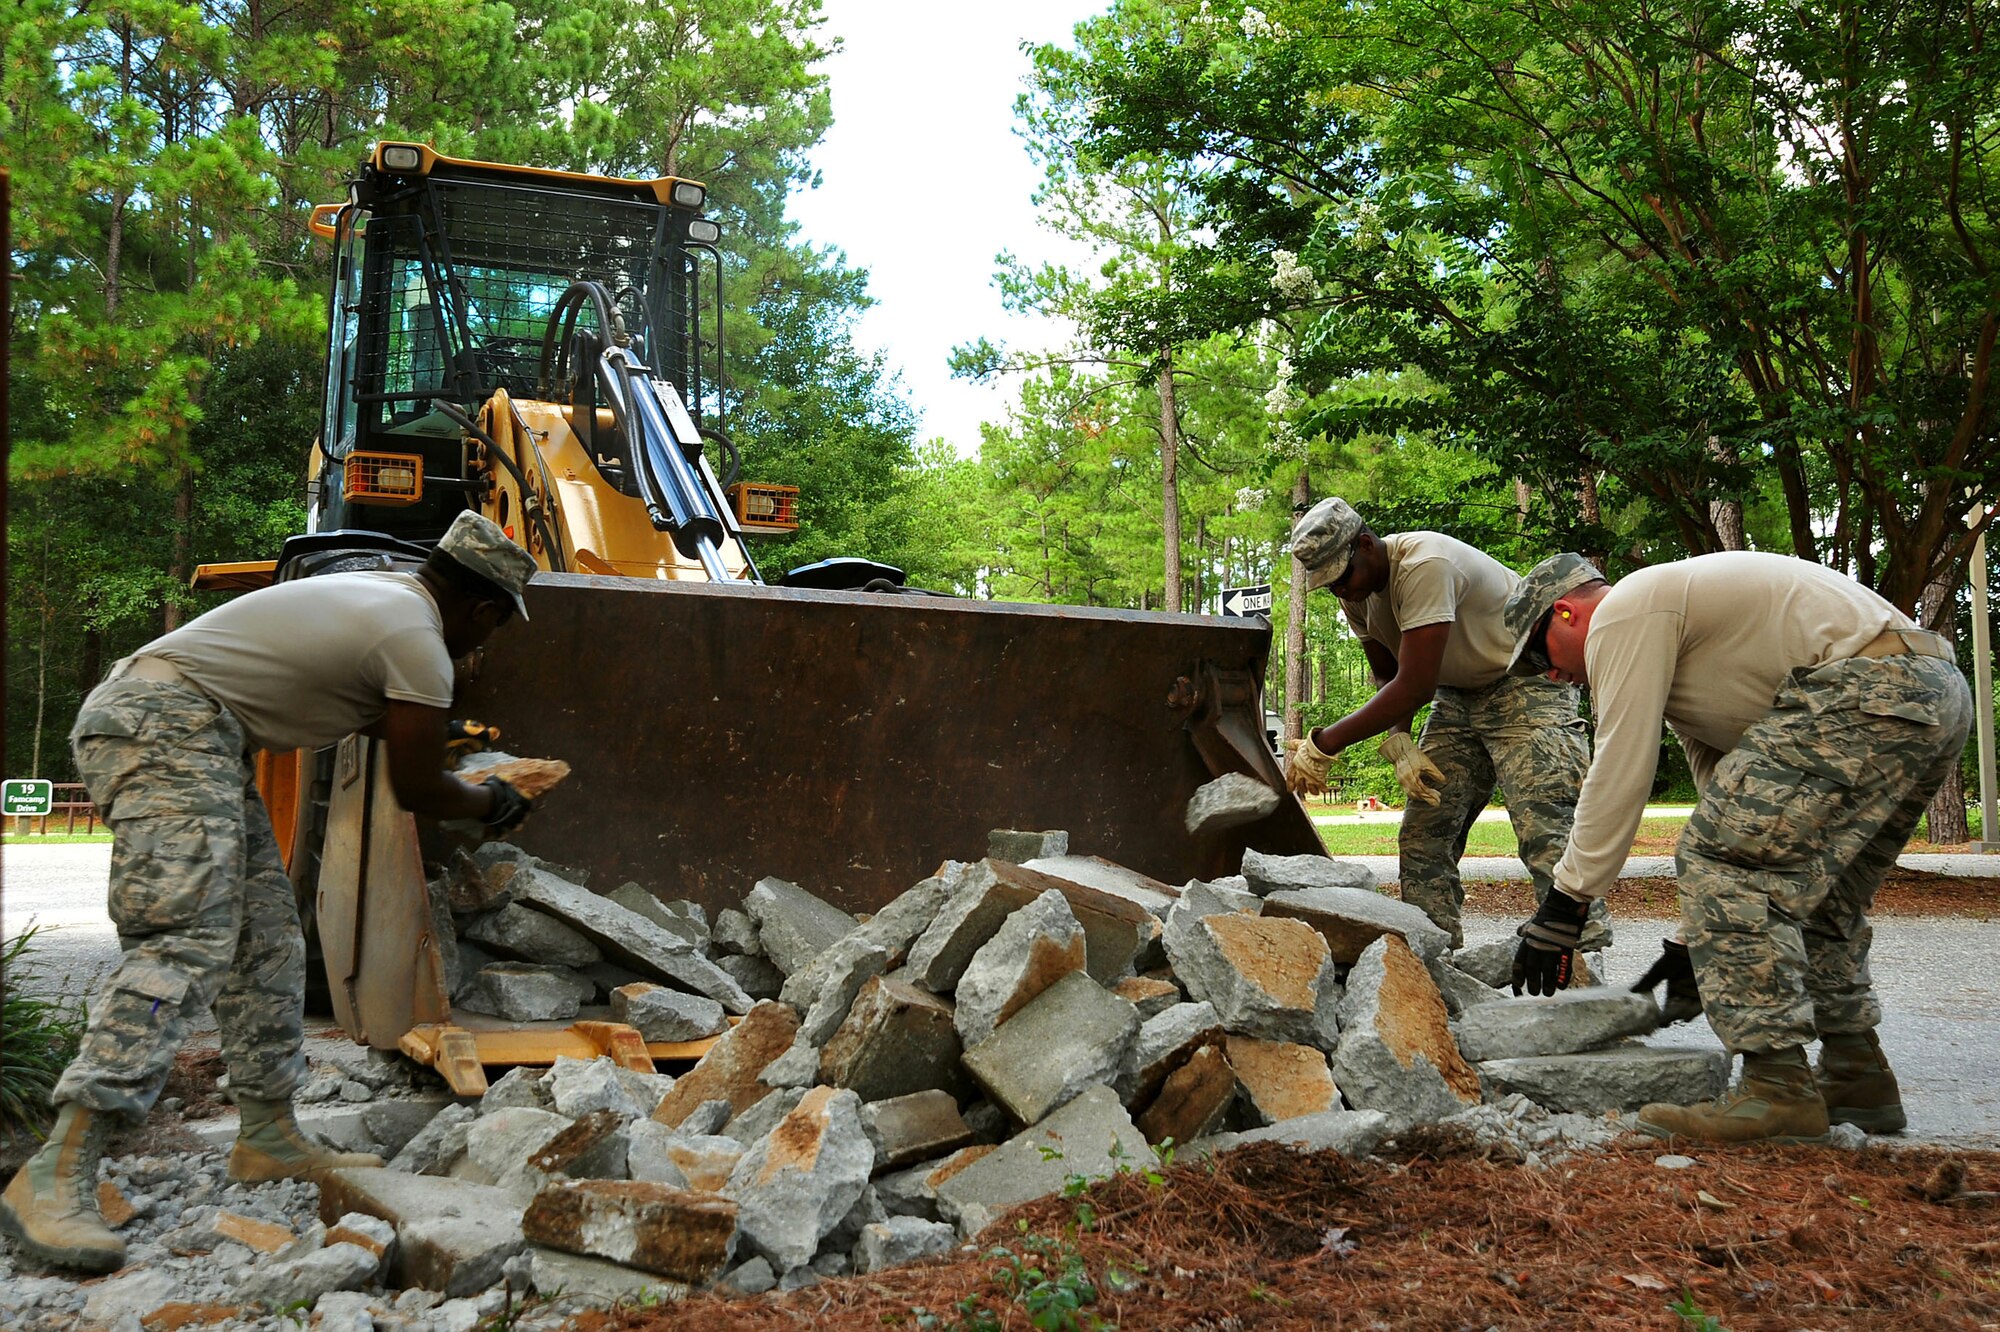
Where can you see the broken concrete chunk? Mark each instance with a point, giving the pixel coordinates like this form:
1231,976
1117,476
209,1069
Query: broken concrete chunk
629,937
1089,1137
1114,928
597,1283
1194,1100
897,1039
366,1232
1163,1044
794,1186
1034,947
438,1144
500,1144
893,929
1561,1024
754,1124
1350,919
1105,876
860,962
661,1155
964,922
728,1072
1230,801
901,1240
594,1147
1352,1133
1073,1035
1151,996
793,926
303,1280
467,890
635,898
1271,874
1396,1053
579,1086
522,1086
647,1090
1623,1078
661,1014
759,979
916,1127
734,932
1230,893
524,992
1017,847
706,1118
1280,1080
675,1233
518,931
1266,977
1460,990
796,1067
452,1235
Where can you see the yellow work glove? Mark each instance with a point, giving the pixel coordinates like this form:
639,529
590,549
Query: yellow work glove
1420,778
1306,766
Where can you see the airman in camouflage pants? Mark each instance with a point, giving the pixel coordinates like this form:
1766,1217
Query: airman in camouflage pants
205,913
1524,735
1794,833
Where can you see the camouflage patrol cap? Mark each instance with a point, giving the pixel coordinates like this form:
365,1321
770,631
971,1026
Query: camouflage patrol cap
1323,540
1530,603
477,543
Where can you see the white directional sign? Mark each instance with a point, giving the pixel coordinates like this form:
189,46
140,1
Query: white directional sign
26,795
1241,601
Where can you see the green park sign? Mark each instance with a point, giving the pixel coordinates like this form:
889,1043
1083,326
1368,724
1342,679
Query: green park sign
26,796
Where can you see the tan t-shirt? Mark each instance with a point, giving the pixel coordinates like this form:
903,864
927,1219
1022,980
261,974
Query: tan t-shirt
302,664
1436,579
1702,645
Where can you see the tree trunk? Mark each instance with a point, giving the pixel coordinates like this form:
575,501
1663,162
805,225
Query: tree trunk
1590,511
1947,811
1295,628
1170,492
1521,497
181,570
1727,515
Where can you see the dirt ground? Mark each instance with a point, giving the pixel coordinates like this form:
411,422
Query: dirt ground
1904,893
1439,1238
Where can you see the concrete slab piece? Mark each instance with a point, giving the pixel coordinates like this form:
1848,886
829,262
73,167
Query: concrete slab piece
1574,1020
1349,1132
1268,874
452,1235
897,1039
674,1233
1034,947
792,1188
1072,1036
1230,801
1281,1080
1396,1053
1195,1100
1078,1139
728,1072
519,931
1350,919
793,926
918,1127
1107,876
1265,976
1163,1044
1018,847
661,1014
596,1283
1624,1078
628,937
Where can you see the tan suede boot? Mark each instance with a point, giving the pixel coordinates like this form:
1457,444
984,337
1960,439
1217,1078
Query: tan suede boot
271,1145
51,1205
1858,1085
1774,1101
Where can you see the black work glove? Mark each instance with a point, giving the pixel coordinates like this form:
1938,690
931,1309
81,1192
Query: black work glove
1545,960
1676,968
510,807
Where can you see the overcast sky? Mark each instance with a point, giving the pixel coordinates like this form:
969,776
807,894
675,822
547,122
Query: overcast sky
925,182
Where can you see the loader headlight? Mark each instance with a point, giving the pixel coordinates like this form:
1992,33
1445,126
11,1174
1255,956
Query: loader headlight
704,231
690,194
401,157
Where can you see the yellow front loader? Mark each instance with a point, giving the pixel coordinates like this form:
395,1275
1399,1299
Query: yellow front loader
546,347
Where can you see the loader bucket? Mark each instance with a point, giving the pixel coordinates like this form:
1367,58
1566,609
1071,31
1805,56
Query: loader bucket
849,742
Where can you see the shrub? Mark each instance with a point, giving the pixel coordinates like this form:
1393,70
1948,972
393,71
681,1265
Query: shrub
38,1037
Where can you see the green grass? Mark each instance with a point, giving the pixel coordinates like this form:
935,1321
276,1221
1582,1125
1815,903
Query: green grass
1656,837
54,839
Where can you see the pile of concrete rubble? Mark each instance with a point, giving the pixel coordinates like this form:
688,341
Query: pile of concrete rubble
882,1087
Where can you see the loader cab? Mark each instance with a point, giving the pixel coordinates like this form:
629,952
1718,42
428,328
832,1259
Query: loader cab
446,276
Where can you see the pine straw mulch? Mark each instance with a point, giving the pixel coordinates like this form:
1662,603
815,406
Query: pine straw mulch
1271,1238
1905,892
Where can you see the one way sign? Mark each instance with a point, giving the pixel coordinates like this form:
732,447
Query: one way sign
1241,601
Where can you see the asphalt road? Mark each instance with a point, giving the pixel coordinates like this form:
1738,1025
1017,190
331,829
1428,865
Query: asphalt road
1940,990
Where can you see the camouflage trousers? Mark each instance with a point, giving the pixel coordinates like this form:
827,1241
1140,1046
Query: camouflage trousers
1523,735
205,914
1793,834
